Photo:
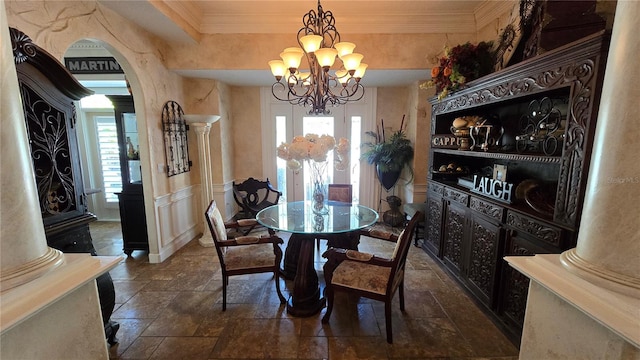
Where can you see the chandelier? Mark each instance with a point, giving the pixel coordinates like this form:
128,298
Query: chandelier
320,43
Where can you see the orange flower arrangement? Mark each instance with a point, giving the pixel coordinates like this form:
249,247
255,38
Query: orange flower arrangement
459,65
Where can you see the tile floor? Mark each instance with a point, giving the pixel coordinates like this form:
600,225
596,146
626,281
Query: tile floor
173,310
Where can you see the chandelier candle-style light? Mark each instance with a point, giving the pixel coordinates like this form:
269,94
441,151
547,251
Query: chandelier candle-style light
320,43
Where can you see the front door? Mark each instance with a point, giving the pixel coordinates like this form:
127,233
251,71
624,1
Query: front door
348,121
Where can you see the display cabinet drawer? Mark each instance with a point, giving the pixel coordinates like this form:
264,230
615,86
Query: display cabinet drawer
539,229
435,188
456,196
486,208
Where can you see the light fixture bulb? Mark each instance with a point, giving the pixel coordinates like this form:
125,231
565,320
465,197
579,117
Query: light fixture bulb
326,57
311,43
359,74
292,57
352,61
277,68
344,48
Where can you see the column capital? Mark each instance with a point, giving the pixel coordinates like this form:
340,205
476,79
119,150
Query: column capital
200,127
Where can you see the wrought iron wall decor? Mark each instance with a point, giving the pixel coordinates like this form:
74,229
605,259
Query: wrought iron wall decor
175,139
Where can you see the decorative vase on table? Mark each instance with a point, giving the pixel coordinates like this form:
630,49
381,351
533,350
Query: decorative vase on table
319,188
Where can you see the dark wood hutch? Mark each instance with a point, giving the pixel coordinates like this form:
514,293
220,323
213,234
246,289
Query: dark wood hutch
470,232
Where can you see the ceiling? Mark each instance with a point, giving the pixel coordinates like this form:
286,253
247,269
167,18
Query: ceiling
185,21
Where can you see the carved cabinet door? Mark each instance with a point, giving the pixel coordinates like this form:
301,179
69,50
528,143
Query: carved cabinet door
514,286
50,118
434,215
483,258
455,219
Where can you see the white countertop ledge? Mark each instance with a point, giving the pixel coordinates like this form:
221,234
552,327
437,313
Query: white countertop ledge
25,301
618,312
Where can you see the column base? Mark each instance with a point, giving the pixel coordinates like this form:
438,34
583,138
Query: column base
206,241
33,269
600,276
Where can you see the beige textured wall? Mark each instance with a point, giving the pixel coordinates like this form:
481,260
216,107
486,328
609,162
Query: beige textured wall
138,52
55,25
147,59
247,132
421,133
242,51
493,29
224,146
203,98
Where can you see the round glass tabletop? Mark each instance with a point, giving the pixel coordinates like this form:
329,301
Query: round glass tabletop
299,217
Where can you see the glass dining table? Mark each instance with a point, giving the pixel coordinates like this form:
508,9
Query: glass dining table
338,223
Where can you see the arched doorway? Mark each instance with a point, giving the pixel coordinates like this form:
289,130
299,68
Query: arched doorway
100,68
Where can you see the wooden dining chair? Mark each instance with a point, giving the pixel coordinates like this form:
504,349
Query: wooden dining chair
340,193
369,275
243,254
254,195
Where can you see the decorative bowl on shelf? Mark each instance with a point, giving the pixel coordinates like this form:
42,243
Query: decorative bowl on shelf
451,169
537,196
539,199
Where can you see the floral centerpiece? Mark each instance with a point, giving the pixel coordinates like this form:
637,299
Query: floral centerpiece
314,149
459,65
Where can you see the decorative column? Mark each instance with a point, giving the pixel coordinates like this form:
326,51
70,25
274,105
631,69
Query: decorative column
583,304
608,248
202,125
24,254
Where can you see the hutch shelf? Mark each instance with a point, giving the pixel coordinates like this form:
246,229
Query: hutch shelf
535,135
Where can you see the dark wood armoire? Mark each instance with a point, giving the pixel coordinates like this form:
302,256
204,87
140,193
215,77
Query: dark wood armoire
48,94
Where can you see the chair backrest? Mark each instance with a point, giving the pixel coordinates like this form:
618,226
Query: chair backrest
216,226
254,195
400,253
340,192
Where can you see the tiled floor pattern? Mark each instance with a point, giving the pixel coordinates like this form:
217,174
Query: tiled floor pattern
173,310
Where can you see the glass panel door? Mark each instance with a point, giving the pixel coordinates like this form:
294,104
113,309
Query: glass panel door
297,185
348,121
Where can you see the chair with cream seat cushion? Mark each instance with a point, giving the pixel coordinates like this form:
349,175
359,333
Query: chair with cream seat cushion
368,275
248,254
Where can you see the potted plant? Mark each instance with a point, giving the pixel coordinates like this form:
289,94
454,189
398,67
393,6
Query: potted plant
390,155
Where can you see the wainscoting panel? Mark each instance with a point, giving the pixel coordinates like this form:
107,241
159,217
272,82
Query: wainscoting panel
179,220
